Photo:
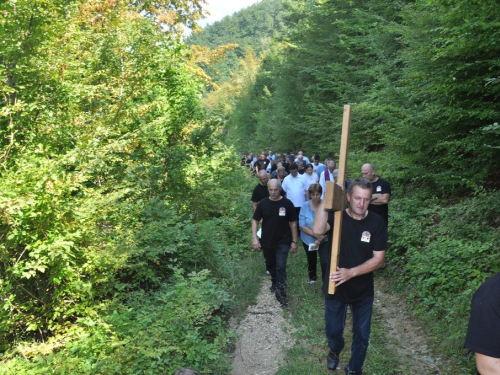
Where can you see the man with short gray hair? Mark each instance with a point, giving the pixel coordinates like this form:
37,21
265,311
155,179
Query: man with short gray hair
363,242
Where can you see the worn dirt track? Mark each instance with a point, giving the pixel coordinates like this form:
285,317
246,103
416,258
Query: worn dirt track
265,333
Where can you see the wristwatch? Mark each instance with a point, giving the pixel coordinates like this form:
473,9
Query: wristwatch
294,241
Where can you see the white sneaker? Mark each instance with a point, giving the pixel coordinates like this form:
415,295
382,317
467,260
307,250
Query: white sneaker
312,282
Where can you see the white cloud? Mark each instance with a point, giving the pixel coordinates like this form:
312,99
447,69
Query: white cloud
220,8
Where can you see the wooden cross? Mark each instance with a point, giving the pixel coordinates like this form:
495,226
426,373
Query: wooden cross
335,196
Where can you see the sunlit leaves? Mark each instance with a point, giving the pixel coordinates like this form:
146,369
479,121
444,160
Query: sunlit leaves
97,110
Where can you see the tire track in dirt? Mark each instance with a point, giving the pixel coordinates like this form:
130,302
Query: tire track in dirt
404,334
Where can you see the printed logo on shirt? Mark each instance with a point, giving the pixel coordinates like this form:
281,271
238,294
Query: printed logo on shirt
282,211
365,237
379,189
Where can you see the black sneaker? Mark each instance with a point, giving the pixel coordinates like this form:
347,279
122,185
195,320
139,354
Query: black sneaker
332,360
284,304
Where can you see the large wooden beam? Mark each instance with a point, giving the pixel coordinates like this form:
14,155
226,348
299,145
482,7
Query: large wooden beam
337,196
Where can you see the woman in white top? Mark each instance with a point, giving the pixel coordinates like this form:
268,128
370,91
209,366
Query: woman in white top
310,177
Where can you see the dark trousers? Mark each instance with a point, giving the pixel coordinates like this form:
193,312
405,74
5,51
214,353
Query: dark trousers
335,314
312,260
276,265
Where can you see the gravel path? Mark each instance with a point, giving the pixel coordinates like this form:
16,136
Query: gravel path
264,334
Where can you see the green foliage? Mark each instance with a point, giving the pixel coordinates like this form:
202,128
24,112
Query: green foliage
112,181
449,252
101,127
449,78
332,55
422,80
180,325
253,27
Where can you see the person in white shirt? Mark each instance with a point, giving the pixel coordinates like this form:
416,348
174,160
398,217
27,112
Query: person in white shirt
301,157
295,187
310,177
317,165
327,175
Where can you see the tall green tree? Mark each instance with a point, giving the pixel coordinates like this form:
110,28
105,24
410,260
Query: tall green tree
253,27
337,52
451,84
99,112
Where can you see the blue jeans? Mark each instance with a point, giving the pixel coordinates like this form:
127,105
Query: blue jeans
335,314
276,265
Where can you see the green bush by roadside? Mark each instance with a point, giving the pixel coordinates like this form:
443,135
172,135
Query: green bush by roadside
441,252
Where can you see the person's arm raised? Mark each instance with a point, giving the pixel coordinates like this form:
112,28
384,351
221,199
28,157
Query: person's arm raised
320,223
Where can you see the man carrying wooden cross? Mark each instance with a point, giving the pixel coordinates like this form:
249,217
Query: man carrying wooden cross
362,250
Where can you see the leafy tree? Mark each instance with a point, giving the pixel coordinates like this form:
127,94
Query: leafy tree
452,88
99,113
253,27
337,52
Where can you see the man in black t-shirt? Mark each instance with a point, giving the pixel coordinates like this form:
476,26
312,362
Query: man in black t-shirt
260,191
262,163
362,249
483,333
279,236
381,192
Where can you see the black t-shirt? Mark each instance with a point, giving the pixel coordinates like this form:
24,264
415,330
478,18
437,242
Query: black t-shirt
262,164
358,241
276,218
483,333
381,187
259,192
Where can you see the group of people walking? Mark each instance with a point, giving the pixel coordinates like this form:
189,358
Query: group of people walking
293,208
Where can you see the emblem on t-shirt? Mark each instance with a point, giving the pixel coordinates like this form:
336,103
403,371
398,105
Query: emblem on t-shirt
365,237
282,211
379,189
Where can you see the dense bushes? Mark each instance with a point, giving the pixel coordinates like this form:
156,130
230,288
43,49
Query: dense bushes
177,326
149,313
116,248
443,253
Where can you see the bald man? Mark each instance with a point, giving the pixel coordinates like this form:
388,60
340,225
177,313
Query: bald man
381,192
260,191
279,236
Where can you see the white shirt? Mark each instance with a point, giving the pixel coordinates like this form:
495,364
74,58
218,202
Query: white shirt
315,167
312,179
295,188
